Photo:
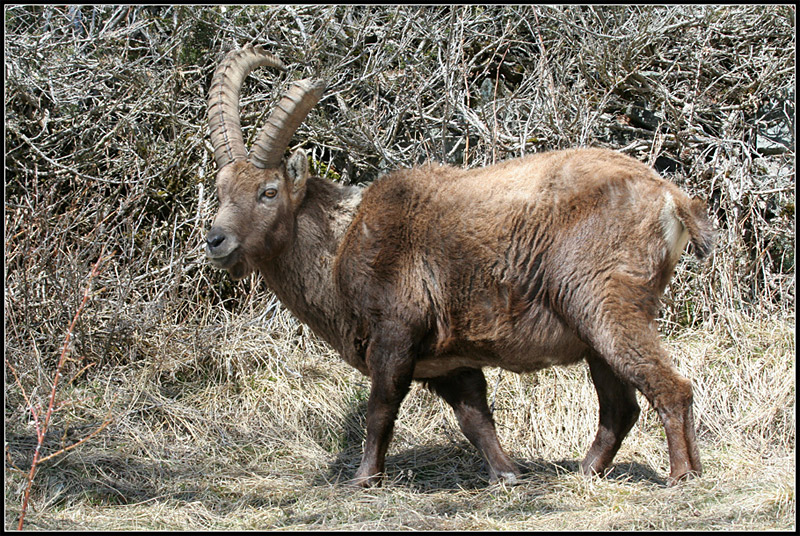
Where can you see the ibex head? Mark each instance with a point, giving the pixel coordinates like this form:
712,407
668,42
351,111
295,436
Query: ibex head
258,193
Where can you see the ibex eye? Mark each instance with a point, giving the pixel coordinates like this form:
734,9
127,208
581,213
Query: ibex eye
269,193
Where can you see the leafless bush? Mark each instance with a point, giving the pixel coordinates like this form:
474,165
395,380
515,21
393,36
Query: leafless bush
106,139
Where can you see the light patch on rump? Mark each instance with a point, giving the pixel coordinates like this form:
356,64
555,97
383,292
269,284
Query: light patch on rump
675,234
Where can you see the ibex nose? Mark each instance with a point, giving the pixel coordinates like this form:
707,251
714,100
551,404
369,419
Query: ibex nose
217,243
214,239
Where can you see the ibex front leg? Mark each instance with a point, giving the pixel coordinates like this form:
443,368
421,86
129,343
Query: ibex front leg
391,368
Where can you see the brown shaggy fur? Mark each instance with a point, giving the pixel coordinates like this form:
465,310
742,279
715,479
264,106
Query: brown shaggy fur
435,272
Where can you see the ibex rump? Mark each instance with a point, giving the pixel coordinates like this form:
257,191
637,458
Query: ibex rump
433,273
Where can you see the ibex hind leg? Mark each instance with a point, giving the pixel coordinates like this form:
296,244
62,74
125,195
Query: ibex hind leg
632,349
465,391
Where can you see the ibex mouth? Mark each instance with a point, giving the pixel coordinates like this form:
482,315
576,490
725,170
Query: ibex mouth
222,263
232,263
222,248
235,267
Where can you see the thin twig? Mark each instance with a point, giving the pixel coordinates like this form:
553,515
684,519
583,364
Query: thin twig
42,427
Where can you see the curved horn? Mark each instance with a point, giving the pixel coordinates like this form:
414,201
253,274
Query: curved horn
283,122
223,101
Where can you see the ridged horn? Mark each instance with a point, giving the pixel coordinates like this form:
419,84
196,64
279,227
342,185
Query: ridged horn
223,101
283,122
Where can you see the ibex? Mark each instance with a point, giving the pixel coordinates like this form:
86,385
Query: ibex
433,273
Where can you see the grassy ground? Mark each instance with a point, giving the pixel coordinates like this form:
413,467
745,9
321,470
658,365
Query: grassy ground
255,428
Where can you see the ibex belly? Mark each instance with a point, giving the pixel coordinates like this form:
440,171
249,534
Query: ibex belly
533,341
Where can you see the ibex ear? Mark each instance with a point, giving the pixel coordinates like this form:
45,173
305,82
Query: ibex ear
297,171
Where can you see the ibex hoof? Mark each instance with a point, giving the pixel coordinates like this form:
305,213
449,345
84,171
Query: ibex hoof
683,477
368,481
507,477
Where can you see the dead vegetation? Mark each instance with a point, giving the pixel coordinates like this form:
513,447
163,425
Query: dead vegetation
227,414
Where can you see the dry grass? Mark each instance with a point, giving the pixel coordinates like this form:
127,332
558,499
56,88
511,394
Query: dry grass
266,429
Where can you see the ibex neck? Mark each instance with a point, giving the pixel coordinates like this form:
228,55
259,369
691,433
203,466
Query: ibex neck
302,276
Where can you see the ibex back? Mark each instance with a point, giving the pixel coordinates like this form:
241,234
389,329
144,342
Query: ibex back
433,273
